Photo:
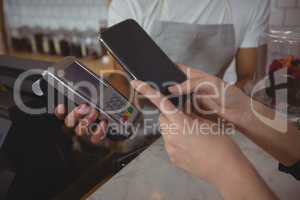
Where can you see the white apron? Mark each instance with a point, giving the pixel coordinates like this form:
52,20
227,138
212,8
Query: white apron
210,48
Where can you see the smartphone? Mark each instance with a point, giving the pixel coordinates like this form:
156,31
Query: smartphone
141,57
80,85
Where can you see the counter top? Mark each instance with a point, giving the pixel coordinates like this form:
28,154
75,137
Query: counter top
151,176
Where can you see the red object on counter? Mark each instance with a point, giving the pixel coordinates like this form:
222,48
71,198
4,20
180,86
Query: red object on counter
291,63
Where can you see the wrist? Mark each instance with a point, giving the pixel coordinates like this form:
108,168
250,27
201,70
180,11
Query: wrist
231,173
248,116
241,181
232,167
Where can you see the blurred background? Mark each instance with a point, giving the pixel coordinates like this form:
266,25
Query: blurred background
49,30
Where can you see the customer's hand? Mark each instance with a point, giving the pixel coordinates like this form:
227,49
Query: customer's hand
83,120
212,95
194,145
191,142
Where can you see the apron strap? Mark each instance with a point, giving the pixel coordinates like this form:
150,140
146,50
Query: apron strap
228,13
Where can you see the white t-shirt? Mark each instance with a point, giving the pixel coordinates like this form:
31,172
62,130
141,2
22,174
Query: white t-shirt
249,17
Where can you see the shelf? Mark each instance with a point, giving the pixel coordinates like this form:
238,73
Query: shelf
94,64
117,81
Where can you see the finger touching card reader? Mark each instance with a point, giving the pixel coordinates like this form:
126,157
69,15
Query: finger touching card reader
73,80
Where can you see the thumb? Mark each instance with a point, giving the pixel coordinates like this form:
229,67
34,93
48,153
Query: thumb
190,72
189,86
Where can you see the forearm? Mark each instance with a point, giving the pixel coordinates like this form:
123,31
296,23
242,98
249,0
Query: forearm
282,145
241,181
246,60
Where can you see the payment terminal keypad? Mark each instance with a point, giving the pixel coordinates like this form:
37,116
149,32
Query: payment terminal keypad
119,108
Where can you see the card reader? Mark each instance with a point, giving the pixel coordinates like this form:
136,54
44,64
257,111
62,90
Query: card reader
79,84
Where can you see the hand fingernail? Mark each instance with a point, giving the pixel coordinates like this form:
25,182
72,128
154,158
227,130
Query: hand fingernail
96,138
83,109
101,136
102,129
78,131
105,121
135,83
172,88
83,127
93,115
60,109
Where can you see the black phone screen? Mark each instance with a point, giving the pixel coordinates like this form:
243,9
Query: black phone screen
134,49
84,81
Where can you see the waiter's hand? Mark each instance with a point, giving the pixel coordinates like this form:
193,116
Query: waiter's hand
83,120
213,96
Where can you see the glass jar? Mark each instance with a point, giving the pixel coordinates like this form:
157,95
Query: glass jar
279,69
